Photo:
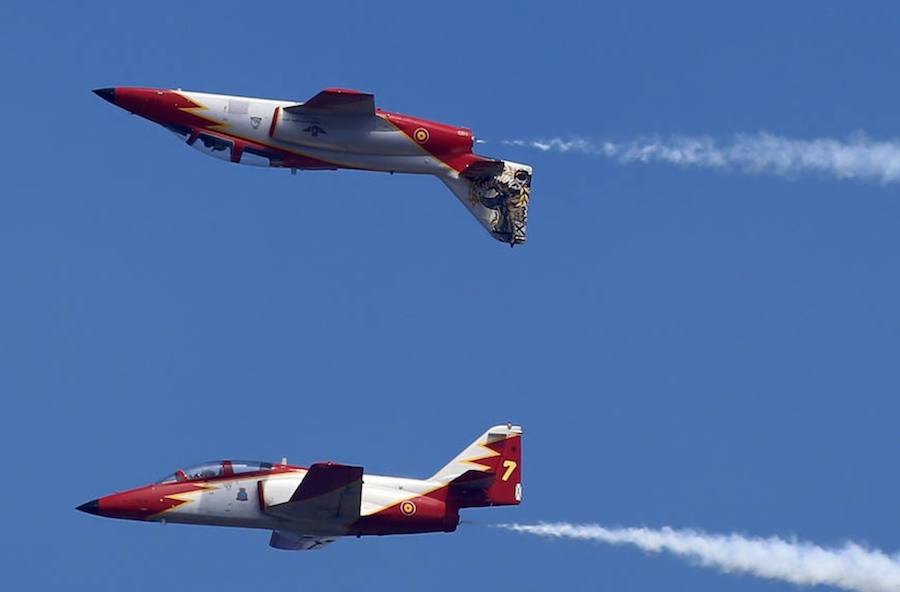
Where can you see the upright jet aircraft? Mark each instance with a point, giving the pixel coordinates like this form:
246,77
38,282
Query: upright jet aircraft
308,508
341,129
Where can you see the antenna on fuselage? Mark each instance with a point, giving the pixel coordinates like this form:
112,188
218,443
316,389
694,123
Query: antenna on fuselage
284,460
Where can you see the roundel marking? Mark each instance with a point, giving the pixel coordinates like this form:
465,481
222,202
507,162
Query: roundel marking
408,508
420,135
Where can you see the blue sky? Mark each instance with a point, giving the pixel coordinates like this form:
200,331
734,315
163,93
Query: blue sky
684,347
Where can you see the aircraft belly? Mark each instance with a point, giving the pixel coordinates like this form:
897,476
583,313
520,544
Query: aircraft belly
392,144
424,164
365,135
367,143
417,164
263,522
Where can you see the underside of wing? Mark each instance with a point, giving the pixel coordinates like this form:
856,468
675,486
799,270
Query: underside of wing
337,101
291,541
326,501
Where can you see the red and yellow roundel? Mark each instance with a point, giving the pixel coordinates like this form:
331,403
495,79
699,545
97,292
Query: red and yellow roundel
420,135
408,508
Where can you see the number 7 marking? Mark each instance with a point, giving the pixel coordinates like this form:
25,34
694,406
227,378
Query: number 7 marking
510,466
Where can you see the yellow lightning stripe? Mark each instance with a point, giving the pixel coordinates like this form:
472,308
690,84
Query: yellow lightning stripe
490,453
188,497
218,126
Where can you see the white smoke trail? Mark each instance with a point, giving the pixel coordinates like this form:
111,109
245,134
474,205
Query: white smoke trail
856,158
851,567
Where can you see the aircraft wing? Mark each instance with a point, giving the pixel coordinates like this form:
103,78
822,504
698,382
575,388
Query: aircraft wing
337,101
292,541
327,500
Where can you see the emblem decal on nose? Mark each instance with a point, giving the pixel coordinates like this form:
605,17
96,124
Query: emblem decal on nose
242,495
255,121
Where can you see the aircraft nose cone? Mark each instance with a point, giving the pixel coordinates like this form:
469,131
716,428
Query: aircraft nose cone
107,94
91,507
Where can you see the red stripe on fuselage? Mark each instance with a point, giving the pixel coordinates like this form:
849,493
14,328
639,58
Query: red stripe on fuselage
432,514
170,108
276,115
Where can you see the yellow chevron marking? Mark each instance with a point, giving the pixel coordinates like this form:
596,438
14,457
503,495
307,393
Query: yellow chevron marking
218,126
489,453
188,497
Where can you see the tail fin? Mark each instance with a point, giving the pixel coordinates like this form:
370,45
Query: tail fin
489,471
496,192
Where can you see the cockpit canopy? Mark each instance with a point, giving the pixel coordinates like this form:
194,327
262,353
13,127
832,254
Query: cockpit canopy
219,468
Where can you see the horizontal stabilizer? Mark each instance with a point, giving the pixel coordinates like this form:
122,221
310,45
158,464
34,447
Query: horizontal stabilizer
483,168
337,101
474,480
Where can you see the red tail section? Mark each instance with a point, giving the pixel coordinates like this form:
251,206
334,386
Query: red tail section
489,471
507,487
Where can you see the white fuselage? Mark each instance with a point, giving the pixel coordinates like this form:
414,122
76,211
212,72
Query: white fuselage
370,143
236,502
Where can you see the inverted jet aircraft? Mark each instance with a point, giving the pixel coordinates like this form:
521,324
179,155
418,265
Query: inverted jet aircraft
308,508
341,129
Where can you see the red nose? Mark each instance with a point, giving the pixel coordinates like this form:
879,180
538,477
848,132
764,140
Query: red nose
133,505
134,99
162,106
